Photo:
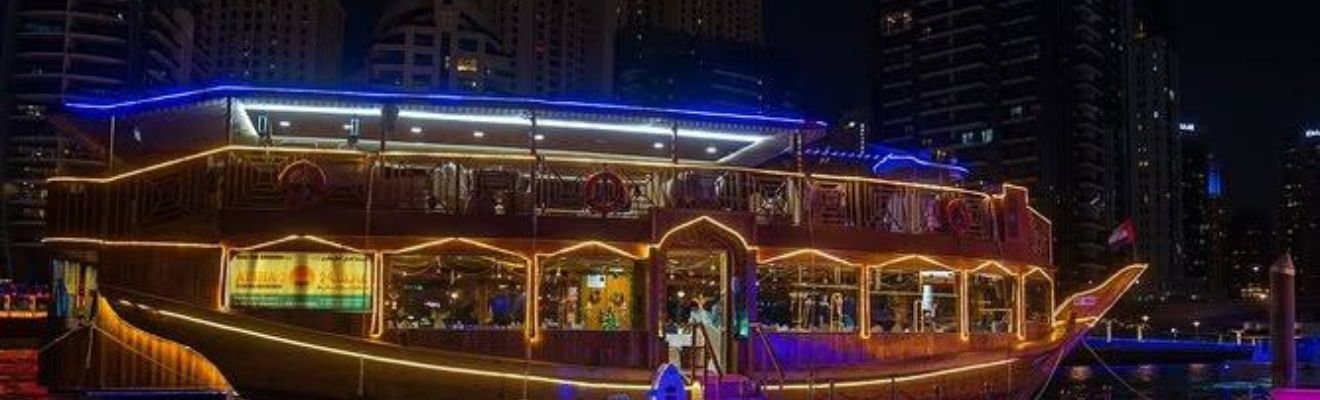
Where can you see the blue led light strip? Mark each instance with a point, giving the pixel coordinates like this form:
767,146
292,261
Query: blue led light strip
244,89
919,161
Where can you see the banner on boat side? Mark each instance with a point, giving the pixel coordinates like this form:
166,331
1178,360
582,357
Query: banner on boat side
300,280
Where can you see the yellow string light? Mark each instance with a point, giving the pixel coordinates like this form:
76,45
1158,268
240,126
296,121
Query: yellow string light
593,244
812,252
898,379
704,219
585,160
401,361
128,243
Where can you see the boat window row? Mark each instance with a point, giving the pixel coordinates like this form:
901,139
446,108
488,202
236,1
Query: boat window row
607,292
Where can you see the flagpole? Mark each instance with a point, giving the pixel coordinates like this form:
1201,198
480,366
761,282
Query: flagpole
1134,249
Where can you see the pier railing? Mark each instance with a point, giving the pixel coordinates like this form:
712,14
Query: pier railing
290,179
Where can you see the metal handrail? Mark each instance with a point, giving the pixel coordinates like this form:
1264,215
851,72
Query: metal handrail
769,351
707,351
245,178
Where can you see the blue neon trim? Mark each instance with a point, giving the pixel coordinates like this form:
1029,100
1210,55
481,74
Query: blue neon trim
245,89
917,160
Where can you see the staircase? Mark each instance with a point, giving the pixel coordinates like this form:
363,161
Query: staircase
731,387
719,385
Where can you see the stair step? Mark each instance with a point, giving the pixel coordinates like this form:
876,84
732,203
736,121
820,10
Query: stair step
731,387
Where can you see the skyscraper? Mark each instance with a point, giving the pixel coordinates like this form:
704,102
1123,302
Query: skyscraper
272,41
1025,92
442,45
560,48
1299,215
60,50
1204,221
706,54
737,21
1151,160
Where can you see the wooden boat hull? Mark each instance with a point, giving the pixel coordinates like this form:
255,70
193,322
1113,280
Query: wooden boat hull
263,359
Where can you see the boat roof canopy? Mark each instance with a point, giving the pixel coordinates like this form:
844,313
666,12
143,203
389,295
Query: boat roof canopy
448,122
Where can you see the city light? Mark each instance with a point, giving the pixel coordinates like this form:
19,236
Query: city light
419,233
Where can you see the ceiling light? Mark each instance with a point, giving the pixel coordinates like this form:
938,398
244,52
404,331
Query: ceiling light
348,127
711,150
478,134
539,137
285,124
416,129
658,145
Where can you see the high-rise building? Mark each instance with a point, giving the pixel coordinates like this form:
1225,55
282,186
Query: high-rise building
1151,161
1251,249
446,45
1204,223
1299,215
1026,92
560,48
738,21
272,41
707,54
62,50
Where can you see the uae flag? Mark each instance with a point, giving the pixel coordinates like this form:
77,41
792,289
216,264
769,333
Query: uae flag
1125,234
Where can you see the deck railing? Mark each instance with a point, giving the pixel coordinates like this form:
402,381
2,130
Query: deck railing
245,178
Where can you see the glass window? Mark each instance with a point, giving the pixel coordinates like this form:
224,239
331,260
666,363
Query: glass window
992,303
424,40
455,291
911,300
808,297
591,292
466,44
423,59
1038,299
897,22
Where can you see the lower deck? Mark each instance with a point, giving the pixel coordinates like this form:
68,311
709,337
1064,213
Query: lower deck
316,354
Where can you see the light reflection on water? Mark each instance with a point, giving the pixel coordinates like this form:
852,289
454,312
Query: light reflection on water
1161,381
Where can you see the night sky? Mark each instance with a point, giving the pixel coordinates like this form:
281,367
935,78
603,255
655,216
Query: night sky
1248,73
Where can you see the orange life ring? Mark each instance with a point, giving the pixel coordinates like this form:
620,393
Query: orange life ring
957,216
605,193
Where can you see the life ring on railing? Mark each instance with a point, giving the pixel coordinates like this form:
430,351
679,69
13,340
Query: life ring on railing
605,193
957,216
303,184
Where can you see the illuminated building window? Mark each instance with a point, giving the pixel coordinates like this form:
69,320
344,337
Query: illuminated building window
910,299
897,22
808,296
466,65
596,292
992,302
455,292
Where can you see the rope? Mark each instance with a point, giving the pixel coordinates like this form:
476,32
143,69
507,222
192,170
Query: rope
61,338
1112,373
1058,359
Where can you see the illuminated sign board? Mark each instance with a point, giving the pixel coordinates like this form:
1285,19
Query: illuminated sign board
300,280
1310,133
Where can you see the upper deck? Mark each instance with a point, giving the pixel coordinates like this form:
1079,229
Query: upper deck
213,165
